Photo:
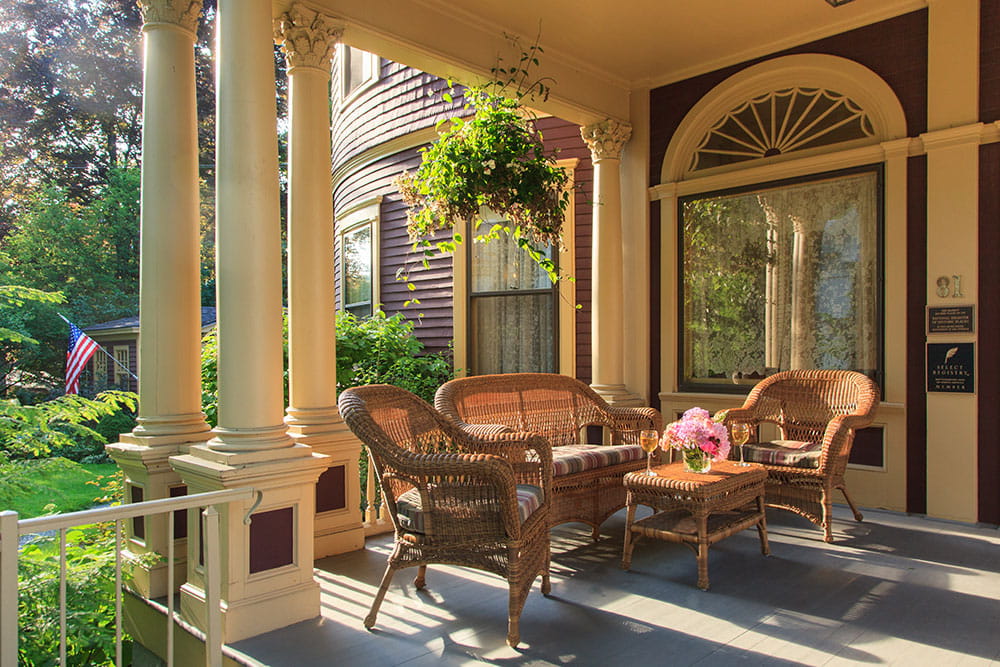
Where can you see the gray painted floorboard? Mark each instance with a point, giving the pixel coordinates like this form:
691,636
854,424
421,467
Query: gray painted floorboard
892,590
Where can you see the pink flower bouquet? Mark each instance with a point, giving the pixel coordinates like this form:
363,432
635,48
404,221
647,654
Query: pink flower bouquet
697,435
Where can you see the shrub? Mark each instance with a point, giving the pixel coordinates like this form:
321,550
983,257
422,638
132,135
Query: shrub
382,349
67,422
90,595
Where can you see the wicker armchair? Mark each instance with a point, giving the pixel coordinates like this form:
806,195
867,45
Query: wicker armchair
454,498
587,480
817,413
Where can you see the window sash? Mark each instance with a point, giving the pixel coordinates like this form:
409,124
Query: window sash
357,248
505,283
833,320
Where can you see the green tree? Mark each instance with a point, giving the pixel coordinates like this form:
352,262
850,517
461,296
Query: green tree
70,91
90,253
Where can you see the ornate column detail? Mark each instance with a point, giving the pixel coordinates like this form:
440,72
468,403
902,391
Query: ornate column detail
606,140
307,37
181,13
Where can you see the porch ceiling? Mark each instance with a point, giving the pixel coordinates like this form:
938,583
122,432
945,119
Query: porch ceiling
596,51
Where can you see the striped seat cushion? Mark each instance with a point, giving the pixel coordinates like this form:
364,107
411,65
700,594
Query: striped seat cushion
569,459
411,514
792,453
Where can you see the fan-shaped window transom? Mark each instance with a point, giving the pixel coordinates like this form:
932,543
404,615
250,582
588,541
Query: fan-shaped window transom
780,122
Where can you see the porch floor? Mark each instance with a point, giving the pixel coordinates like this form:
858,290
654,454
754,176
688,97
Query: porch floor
894,589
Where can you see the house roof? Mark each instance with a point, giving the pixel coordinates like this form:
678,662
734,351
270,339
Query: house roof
207,320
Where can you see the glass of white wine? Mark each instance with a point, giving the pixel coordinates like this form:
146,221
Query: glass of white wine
741,434
649,439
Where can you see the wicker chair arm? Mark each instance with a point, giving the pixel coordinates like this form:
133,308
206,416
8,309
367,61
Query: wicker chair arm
742,415
436,474
483,430
529,454
837,441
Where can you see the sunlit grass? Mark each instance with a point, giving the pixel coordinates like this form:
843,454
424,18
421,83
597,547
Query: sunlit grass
29,486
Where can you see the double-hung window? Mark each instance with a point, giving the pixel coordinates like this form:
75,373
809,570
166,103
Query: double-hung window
512,309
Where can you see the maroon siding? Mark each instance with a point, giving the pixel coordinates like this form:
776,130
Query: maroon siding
432,318
916,299
564,138
989,321
402,101
989,60
895,49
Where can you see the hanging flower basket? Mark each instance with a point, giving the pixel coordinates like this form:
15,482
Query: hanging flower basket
494,159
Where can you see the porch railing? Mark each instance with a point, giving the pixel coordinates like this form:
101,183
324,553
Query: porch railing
373,513
11,529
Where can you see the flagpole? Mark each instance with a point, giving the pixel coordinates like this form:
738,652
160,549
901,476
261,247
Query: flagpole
106,353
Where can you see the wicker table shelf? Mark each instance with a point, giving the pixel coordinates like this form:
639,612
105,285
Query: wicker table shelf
696,509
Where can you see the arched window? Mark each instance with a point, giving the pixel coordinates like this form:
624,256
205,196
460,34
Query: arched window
779,180
780,122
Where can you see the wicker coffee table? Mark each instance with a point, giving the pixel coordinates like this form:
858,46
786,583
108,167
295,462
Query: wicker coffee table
696,509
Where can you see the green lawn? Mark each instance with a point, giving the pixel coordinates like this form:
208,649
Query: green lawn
28,486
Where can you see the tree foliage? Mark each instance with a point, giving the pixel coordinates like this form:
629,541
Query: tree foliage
70,90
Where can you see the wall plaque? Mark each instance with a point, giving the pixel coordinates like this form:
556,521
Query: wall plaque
951,319
951,367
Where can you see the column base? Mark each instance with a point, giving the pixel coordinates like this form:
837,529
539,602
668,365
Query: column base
618,396
169,430
258,439
267,566
313,426
148,468
252,616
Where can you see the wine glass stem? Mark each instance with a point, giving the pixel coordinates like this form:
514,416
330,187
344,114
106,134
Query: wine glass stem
649,463
741,454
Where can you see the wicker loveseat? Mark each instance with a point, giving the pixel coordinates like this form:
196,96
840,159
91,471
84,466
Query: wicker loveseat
454,498
587,478
817,413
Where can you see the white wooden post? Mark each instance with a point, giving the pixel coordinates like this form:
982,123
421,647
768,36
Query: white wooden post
8,589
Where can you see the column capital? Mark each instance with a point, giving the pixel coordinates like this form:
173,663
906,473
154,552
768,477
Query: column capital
181,13
307,37
606,138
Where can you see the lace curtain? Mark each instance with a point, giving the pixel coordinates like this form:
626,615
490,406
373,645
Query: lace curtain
782,278
512,311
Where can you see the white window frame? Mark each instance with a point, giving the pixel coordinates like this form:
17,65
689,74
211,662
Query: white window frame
372,68
366,213
566,300
123,355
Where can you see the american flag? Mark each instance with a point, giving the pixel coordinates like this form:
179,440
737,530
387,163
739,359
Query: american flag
81,349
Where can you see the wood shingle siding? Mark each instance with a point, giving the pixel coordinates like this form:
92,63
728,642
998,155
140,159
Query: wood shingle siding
402,101
405,101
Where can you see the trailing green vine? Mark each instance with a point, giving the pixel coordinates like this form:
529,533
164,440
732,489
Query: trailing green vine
494,159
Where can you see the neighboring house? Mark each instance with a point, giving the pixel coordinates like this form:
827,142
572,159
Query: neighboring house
120,338
483,294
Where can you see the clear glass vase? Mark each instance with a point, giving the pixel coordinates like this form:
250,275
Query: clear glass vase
695,460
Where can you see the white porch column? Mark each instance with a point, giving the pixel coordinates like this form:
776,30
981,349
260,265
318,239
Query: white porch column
307,39
170,311
605,141
268,581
